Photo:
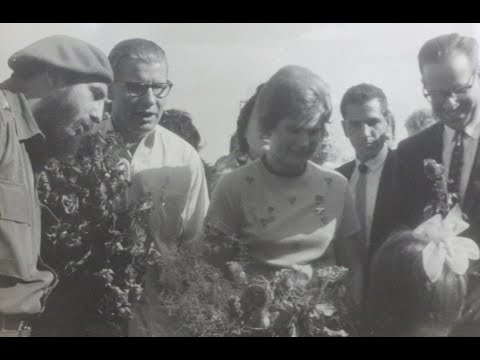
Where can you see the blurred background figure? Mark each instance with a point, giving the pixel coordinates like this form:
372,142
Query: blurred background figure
326,153
180,122
419,120
247,143
234,159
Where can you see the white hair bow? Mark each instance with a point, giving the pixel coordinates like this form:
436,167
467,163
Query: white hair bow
444,246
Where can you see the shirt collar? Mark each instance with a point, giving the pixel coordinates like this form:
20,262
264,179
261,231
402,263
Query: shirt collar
25,124
473,129
376,162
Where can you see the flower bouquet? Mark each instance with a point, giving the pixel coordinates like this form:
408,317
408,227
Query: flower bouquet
91,236
443,222
238,300
291,303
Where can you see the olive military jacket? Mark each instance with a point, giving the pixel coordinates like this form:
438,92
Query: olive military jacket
23,287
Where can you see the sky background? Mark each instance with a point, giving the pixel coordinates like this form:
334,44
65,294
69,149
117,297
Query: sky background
216,66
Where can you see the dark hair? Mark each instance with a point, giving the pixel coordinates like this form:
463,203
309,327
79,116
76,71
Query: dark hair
438,49
243,120
362,93
142,49
293,92
401,295
233,147
180,122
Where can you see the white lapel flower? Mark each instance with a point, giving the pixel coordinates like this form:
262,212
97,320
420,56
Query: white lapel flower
445,247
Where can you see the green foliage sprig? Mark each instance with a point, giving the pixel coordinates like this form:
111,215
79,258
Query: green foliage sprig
90,234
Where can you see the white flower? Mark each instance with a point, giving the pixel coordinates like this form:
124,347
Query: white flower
340,333
304,270
325,309
444,246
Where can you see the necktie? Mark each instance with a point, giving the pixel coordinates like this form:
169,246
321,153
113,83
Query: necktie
456,164
361,200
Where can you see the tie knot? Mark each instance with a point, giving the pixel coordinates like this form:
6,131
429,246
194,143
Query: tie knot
459,134
362,168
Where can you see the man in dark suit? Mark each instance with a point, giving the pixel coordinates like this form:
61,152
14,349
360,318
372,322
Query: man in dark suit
449,69
367,122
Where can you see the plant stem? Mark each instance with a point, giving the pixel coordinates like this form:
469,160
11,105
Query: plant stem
51,212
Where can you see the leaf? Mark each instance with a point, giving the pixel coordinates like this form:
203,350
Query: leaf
146,205
292,330
325,309
335,333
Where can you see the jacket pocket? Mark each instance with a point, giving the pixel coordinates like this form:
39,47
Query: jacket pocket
19,243
14,204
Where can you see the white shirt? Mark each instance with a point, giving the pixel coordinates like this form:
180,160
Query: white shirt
375,167
172,171
470,143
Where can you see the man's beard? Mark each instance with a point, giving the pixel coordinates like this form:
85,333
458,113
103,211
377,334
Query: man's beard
54,114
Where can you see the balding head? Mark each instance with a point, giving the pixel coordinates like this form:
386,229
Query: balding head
140,86
138,49
442,47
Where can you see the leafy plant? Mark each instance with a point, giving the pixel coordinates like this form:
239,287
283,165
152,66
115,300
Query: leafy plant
237,299
90,234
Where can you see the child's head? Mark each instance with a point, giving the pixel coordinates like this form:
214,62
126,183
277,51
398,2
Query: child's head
402,301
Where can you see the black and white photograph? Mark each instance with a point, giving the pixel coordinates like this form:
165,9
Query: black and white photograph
239,180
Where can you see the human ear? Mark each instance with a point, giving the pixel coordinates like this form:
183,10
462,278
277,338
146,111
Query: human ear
390,122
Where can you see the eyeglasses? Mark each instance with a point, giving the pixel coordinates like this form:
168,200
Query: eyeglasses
137,89
441,95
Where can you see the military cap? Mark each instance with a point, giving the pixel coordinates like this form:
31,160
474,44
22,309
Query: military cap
64,53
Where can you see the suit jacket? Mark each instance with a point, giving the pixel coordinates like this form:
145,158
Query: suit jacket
415,190
383,216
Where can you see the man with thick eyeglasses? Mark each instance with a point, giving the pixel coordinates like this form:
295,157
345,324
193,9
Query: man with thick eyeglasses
440,95
138,89
161,163
449,70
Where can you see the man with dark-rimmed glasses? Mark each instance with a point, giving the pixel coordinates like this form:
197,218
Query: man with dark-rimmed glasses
161,164
449,70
